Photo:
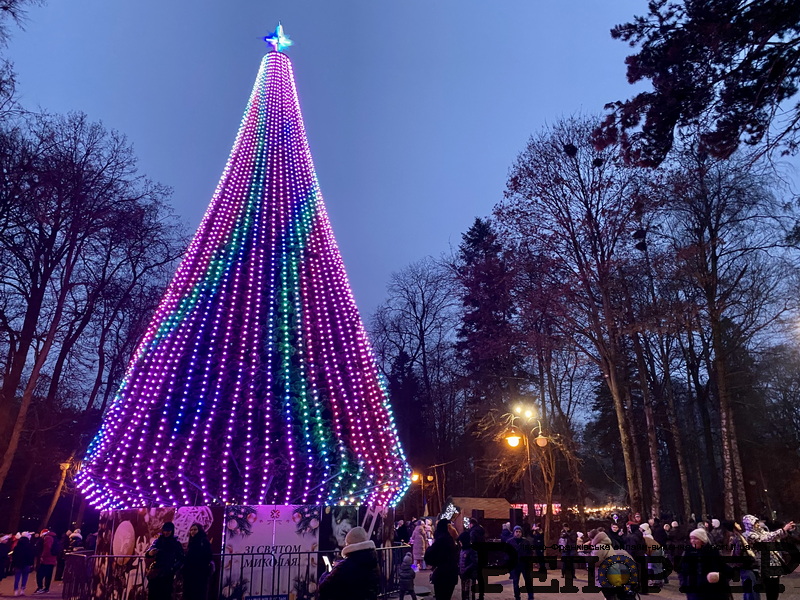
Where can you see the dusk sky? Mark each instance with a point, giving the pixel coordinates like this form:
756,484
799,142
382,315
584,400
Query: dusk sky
414,110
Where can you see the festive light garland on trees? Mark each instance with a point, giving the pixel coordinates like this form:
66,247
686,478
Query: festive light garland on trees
255,382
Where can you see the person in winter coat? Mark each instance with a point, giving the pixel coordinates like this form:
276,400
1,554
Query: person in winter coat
167,554
405,577
47,561
75,541
614,586
716,534
467,564
5,549
659,532
357,577
748,563
702,572
22,559
523,566
756,534
402,535
537,541
568,541
443,557
476,531
615,535
197,567
506,534
419,543
634,541
655,569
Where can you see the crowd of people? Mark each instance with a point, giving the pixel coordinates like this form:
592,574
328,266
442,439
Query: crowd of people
632,556
708,555
43,553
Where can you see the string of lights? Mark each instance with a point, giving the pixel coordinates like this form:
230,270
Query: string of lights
255,378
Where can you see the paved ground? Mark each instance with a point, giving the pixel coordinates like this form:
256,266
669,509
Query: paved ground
7,588
669,592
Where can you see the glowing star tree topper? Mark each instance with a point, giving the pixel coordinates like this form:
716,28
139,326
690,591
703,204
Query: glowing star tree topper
278,39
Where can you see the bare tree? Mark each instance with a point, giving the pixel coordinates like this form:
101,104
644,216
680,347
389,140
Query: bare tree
729,233
68,237
574,204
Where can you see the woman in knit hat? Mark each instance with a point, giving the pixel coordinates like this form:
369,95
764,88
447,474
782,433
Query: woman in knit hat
357,577
703,574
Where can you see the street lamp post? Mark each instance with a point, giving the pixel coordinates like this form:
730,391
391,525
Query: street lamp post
526,415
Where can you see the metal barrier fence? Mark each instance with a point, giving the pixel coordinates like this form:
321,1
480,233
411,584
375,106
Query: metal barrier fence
102,576
265,576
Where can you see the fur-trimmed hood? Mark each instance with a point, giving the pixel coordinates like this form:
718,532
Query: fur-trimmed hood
350,548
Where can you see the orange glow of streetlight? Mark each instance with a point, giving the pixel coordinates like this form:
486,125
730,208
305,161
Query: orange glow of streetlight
513,439
415,477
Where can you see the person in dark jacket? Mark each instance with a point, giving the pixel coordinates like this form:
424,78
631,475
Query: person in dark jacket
47,562
568,541
634,541
167,554
659,534
22,562
402,535
5,548
523,566
537,540
443,557
476,531
357,577
467,564
615,535
506,534
703,574
197,566
405,577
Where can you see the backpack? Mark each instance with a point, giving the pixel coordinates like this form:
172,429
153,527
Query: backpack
56,547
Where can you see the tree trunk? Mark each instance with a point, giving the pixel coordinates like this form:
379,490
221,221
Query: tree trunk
726,424
637,457
15,512
27,396
634,493
652,438
741,497
56,494
672,419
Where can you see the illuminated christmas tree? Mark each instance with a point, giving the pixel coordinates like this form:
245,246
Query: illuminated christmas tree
255,382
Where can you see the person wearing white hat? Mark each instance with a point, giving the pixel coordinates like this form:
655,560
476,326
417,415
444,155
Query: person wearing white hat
22,558
358,575
703,574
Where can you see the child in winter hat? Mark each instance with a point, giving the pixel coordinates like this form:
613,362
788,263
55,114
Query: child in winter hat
405,577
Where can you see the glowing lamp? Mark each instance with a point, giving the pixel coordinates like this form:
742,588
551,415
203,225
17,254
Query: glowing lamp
415,477
513,439
541,441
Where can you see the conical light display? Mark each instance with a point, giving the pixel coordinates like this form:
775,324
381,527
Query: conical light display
255,382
